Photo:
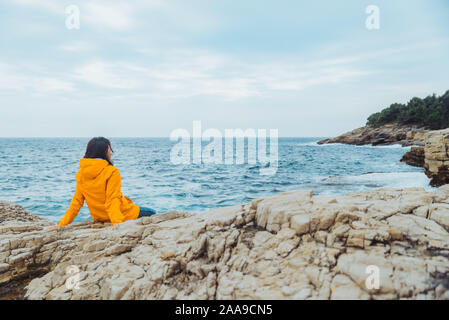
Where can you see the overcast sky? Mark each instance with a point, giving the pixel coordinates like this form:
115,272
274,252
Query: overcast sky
144,68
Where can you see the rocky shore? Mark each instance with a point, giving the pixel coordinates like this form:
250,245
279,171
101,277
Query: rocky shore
385,135
430,149
294,245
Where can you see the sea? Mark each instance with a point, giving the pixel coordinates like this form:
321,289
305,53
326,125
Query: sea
39,173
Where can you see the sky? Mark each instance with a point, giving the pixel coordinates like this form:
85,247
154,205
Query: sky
144,68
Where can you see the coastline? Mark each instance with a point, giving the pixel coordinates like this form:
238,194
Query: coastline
430,148
254,250
150,181
294,245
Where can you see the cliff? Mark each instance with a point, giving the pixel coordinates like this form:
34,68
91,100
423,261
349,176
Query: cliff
436,154
294,245
415,157
385,135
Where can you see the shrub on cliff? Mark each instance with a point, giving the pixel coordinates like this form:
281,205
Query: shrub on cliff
431,112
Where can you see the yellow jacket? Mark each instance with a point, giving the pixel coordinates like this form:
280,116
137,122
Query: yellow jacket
98,183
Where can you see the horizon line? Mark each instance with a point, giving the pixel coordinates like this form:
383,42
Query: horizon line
131,137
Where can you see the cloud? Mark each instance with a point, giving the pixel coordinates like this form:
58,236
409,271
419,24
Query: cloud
25,81
206,73
49,5
116,16
77,46
104,75
184,73
50,85
188,73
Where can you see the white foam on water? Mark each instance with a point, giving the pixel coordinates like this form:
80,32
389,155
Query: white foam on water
390,146
376,180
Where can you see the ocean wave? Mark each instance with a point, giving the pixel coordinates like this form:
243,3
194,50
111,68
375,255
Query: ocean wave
315,144
390,146
372,180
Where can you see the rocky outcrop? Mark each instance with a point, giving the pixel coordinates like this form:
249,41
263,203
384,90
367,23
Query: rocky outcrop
415,157
436,153
290,246
21,234
385,135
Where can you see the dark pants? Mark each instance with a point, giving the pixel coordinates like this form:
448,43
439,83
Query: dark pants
146,212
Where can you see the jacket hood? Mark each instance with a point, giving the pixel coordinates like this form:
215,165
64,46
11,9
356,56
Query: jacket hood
91,168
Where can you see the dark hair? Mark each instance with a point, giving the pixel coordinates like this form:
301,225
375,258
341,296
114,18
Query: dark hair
98,148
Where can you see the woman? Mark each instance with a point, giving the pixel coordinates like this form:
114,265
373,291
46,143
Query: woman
98,183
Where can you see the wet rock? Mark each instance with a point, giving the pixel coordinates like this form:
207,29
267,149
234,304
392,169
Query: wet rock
415,157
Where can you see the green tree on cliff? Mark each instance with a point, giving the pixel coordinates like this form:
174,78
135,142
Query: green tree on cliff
431,112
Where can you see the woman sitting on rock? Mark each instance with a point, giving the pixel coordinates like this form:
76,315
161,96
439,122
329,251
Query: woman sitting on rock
98,182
